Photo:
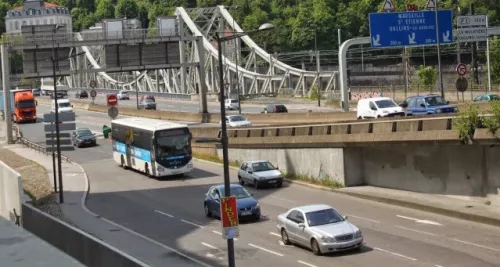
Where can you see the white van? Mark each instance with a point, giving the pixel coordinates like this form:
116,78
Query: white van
232,104
378,107
63,105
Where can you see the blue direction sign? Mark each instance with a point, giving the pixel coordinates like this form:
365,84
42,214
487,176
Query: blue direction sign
414,28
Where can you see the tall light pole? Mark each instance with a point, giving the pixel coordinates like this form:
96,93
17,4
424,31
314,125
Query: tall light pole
223,138
236,52
438,49
58,143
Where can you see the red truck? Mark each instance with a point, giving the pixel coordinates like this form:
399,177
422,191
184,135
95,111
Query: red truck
24,106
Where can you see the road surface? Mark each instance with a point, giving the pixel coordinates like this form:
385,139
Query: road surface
170,211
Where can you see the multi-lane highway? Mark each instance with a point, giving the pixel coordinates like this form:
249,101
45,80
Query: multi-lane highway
171,212
213,107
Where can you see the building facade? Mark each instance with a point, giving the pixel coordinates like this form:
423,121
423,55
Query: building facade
37,12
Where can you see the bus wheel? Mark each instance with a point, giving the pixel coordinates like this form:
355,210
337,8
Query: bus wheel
123,163
147,170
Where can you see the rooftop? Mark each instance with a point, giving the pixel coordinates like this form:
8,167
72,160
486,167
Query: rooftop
45,5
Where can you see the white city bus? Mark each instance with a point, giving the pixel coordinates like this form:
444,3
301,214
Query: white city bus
154,147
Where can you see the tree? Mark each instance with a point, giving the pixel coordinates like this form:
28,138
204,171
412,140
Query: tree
427,76
126,9
104,10
495,60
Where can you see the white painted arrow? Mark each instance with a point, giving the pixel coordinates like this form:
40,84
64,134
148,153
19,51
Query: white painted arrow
376,40
419,221
446,36
411,38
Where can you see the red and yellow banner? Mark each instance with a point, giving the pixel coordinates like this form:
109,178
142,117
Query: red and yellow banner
229,216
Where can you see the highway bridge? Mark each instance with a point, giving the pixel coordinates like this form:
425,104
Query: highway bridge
170,211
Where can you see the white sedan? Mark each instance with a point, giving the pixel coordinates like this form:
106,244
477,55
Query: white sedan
237,121
319,227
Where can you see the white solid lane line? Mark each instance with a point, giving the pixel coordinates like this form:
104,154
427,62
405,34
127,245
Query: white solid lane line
476,245
417,231
192,223
306,264
362,218
266,250
163,213
283,199
408,218
395,254
275,234
209,246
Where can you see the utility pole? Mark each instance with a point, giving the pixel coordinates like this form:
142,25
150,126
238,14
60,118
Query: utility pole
438,49
318,67
474,52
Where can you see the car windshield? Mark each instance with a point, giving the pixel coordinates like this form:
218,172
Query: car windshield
234,101
322,217
83,92
240,192
386,103
83,132
262,166
149,101
237,118
26,104
435,101
173,143
64,105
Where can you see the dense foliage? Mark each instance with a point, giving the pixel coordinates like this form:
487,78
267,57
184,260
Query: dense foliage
297,21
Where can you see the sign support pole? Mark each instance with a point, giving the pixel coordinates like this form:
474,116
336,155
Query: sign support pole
488,55
440,73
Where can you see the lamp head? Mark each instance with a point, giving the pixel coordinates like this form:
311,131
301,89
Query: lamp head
266,26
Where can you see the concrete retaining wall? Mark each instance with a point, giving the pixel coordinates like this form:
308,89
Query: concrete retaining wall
469,172
74,242
11,192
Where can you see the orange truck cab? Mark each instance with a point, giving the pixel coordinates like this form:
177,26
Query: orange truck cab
24,106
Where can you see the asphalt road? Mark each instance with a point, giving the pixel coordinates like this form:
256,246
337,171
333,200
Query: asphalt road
171,212
213,107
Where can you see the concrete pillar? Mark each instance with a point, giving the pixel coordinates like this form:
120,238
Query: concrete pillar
4,50
201,71
182,49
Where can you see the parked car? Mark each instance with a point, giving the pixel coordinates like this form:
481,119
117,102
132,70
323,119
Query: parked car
123,95
319,227
427,105
36,92
237,121
486,98
378,107
150,97
232,104
275,108
81,94
147,104
247,205
83,137
259,173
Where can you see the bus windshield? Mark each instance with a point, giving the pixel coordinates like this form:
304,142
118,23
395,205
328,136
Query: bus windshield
26,104
173,143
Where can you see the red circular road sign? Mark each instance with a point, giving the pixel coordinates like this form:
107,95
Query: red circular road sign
112,100
462,69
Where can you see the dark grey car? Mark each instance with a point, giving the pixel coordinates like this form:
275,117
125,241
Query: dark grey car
83,137
147,104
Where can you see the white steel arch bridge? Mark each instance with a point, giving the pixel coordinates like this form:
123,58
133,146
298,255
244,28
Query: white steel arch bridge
257,71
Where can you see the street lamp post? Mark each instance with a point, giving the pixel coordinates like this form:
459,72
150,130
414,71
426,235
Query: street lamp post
223,138
441,86
236,52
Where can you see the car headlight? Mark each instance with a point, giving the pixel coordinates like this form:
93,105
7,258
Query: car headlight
438,111
455,109
328,239
256,206
385,111
358,234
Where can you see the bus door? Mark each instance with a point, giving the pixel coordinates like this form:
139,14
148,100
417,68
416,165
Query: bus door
129,139
153,155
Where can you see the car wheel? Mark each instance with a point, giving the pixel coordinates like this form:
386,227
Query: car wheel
256,184
284,237
241,180
280,184
257,218
315,247
207,211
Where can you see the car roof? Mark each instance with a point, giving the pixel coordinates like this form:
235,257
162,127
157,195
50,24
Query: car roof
375,99
82,128
221,186
256,161
314,207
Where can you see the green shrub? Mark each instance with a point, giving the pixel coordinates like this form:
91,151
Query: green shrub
466,123
493,122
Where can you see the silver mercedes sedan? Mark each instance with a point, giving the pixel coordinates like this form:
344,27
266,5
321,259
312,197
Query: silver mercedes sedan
319,227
